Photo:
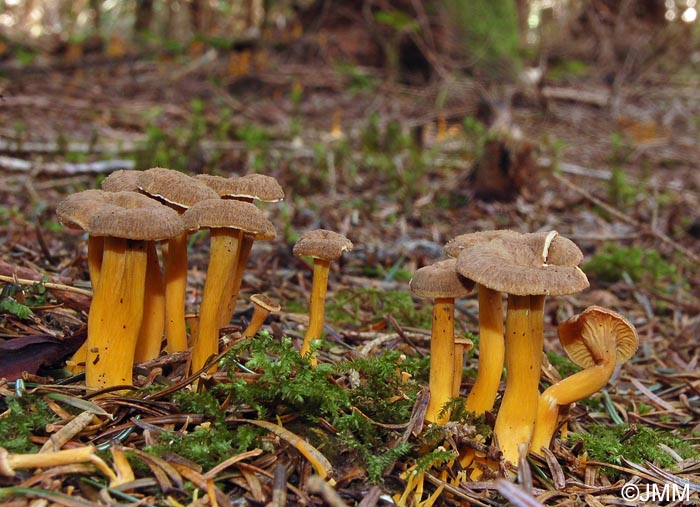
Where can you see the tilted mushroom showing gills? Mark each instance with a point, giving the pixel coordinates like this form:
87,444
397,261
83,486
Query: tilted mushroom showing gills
517,266
262,307
443,284
226,221
178,191
127,224
323,246
598,339
249,188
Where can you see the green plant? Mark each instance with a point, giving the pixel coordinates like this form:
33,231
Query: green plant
22,418
642,265
562,364
17,299
609,444
365,305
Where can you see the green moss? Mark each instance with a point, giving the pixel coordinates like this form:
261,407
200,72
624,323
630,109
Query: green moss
562,364
363,306
642,265
605,443
22,418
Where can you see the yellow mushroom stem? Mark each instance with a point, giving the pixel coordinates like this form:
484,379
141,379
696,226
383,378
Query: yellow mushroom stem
222,263
524,343
10,462
260,313
116,313
175,268
153,323
244,249
319,285
491,352
95,249
569,390
442,350
76,364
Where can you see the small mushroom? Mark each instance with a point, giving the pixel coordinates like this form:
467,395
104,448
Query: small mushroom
127,224
249,188
323,246
518,266
598,339
442,283
262,307
177,191
226,221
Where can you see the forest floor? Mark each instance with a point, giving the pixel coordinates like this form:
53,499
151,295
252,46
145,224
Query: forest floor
388,166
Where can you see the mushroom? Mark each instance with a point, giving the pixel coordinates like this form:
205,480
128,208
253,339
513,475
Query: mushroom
127,224
441,282
262,307
153,324
247,188
517,265
323,246
598,339
226,221
75,212
178,191
491,345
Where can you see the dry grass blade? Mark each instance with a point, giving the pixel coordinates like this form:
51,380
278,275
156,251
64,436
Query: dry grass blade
516,495
211,474
48,285
318,485
320,463
164,472
65,434
51,496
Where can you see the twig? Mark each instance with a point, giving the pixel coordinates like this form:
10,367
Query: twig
516,495
48,285
319,486
101,166
631,221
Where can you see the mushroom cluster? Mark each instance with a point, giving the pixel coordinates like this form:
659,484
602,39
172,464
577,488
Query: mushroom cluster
526,268
139,304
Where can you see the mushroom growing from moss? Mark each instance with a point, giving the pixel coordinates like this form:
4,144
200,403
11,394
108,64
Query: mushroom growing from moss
127,224
598,339
226,221
323,246
442,283
179,192
518,266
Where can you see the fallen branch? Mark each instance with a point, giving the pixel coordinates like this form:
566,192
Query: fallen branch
101,166
75,298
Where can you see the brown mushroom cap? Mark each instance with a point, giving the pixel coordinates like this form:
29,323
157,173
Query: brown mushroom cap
322,244
266,302
251,186
121,180
554,248
455,246
131,215
440,280
510,265
76,210
582,335
222,213
173,187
